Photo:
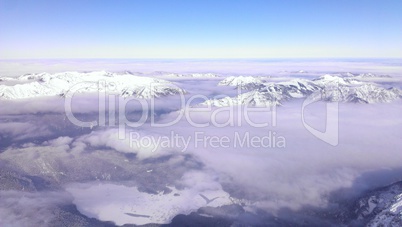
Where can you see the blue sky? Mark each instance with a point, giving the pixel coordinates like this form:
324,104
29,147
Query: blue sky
200,29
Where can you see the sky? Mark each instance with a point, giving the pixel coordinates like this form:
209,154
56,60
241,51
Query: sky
200,29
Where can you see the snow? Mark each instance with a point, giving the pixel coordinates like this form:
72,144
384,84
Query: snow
391,215
243,82
58,84
128,205
396,208
332,88
192,75
371,75
328,87
203,75
382,207
330,80
253,98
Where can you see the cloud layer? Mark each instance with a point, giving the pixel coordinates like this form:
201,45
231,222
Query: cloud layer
113,178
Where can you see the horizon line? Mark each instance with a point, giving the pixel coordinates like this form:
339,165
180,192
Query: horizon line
251,58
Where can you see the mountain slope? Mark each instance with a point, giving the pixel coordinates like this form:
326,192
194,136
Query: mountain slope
59,84
382,207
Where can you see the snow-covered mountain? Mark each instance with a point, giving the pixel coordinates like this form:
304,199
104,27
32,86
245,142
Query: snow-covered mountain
366,93
382,207
296,88
242,82
191,75
59,84
269,94
371,75
257,98
329,88
338,89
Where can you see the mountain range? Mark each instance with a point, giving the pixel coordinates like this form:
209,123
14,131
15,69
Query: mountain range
253,91
59,84
331,88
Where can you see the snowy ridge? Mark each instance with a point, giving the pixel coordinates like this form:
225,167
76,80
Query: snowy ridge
296,88
192,75
269,94
382,207
334,80
242,82
371,75
328,88
254,98
341,89
366,93
59,84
